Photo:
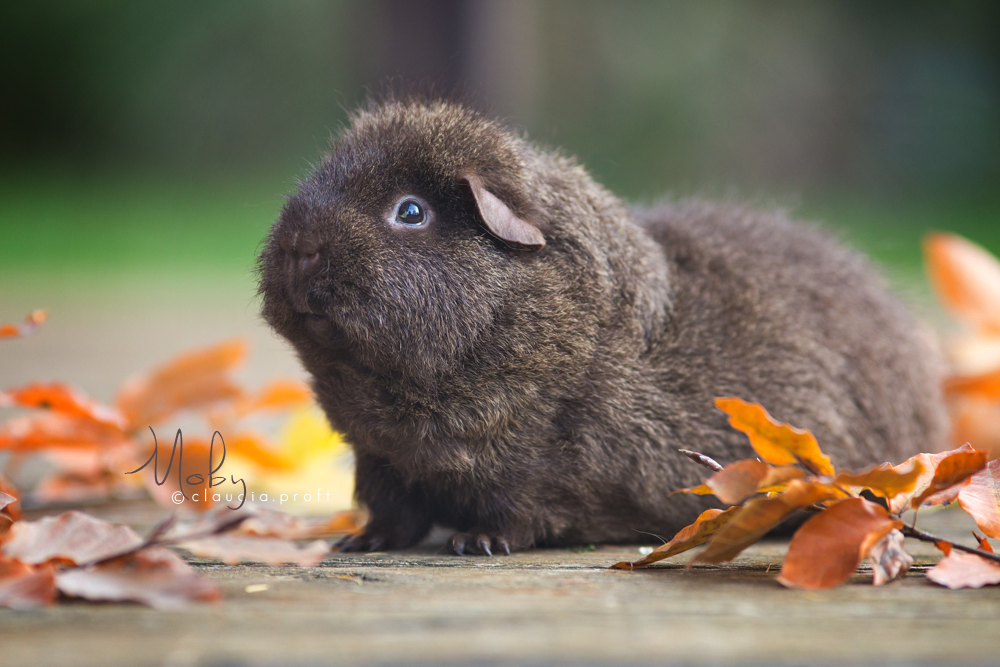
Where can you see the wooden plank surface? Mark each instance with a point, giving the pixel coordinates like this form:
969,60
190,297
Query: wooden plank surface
538,607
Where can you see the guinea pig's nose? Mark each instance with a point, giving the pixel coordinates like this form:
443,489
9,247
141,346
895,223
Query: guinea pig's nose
302,258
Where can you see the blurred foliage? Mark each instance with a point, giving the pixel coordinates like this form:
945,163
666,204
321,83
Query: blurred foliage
143,134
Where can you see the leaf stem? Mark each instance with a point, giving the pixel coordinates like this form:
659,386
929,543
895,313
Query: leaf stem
702,460
910,531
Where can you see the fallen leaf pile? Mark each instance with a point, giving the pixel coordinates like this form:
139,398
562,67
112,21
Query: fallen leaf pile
93,445
77,555
793,474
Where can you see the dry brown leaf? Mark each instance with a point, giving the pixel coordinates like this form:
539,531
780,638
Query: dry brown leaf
271,523
777,443
885,480
25,586
889,559
828,548
194,379
981,499
72,537
233,549
760,515
966,279
961,570
64,399
34,320
154,576
699,532
955,468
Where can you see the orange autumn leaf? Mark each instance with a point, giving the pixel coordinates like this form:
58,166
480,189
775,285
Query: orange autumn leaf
24,586
955,468
194,379
276,395
981,499
760,515
982,385
50,429
252,447
63,399
155,576
188,475
775,442
699,532
962,570
977,420
828,548
901,501
885,480
72,537
34,320
966,279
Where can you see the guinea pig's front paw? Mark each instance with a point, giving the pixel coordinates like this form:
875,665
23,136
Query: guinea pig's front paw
478,544
364,542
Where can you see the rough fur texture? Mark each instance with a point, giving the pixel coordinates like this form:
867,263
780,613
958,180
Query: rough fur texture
539,397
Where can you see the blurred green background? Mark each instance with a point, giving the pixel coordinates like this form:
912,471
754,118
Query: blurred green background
158,138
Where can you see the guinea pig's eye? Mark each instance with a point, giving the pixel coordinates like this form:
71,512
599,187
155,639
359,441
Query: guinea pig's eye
410,212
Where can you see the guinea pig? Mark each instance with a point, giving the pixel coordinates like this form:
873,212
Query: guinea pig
515,354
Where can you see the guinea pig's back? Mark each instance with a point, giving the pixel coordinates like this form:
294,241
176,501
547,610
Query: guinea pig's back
780,313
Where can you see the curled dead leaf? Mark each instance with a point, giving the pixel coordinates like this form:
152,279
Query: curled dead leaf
953,469
72,537
775,442
889,559
233,549
699,532
271,523
981,498
901,501
155,576
24,586
828,548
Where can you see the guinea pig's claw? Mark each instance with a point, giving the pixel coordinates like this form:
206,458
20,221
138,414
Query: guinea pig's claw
365,542
478,544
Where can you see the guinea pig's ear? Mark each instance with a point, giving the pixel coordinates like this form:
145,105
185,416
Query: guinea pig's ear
501,221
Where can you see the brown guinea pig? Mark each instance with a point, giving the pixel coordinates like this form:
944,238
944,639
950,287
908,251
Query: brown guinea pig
515,354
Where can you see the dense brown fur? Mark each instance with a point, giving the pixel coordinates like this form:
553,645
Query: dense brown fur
529,397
